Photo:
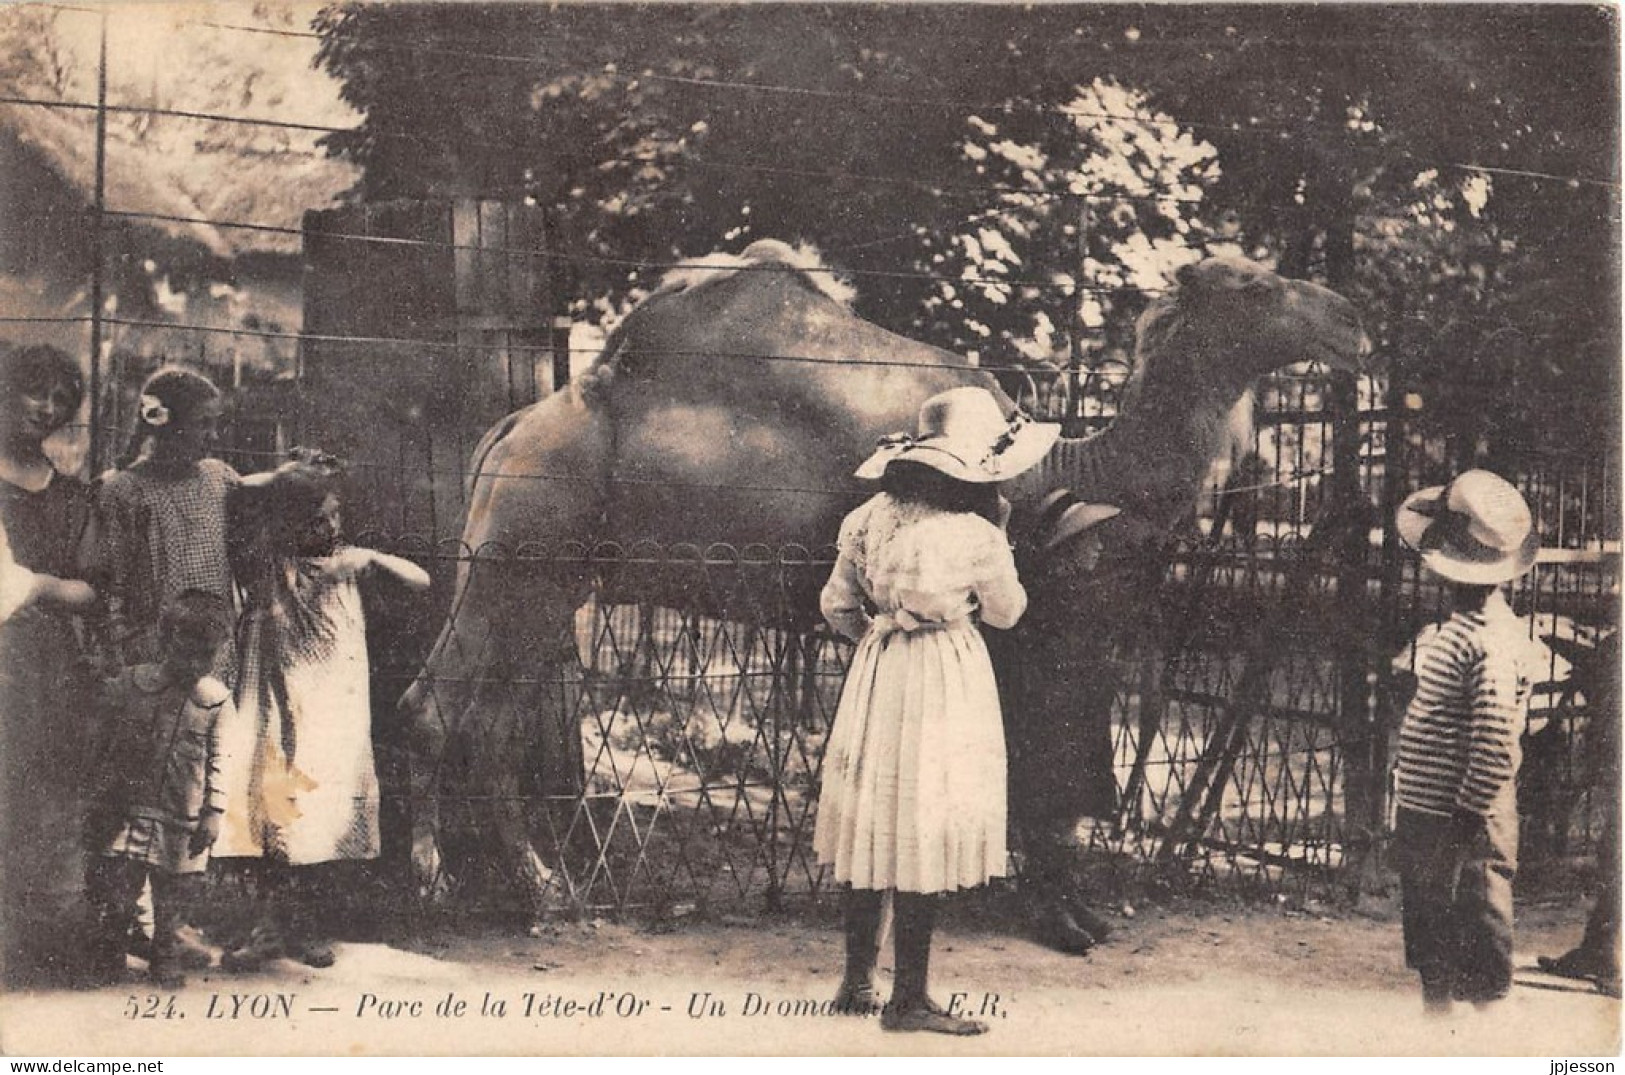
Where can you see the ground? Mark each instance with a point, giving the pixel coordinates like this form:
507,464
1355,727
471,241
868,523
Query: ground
1187,976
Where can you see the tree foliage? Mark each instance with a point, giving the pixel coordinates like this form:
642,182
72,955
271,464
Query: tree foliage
923,142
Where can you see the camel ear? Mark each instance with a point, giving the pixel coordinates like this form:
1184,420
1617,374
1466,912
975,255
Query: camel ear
1189,276
1077,519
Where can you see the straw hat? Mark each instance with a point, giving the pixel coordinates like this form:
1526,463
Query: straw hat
1477,530
963,433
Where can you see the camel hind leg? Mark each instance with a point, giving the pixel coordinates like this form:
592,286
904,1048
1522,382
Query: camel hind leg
526,761
494,725
433,711
492,693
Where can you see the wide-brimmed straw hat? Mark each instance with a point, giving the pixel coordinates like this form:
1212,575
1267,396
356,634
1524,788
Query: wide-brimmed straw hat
1477,529
964,433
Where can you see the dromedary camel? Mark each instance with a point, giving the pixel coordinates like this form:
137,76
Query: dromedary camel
733,406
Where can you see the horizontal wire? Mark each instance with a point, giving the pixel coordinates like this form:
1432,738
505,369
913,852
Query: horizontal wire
526,348
941,188
646,265
771,88
463,475
1605,184
1007,107
577,479
66,7
763,87
639,264
963,188
88,106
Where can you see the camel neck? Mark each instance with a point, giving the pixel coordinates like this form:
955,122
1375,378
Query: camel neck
1148,464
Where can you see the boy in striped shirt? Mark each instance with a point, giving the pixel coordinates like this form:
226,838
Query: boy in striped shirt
1456,834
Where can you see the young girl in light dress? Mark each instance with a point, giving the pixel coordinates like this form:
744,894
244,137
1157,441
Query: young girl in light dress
913,797
301,786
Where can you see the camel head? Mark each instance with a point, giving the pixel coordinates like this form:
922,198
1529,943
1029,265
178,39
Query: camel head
1229,321
1202,345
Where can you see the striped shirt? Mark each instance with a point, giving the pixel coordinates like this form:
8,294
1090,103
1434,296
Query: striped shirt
1459,743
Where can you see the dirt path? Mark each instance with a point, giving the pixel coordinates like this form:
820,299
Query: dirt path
1189,979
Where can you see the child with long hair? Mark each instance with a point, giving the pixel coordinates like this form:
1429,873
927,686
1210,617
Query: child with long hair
157,798
302,789
913,796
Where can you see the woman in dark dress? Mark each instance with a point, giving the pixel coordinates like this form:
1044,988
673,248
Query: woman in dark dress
45,680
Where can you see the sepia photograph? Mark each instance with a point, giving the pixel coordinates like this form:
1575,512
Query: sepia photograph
859,528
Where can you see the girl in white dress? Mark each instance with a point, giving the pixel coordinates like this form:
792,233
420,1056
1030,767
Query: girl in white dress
301,786
913,796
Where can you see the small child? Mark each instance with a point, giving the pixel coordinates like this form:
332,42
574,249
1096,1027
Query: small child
302,789
913,797
157,799
1456,832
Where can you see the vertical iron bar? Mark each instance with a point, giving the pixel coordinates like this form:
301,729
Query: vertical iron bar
559,300
96,255
1074,408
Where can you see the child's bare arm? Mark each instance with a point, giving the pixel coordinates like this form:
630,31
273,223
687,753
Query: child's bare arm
214,788
399,568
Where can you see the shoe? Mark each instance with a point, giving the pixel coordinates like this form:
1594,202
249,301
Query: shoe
1576,963
856,998
311,953
1437,998
1478,997
1056,927
190,951
138,944
1087,920
264,944
166,975
930,1017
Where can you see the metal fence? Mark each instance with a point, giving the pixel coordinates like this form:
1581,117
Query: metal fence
1240,753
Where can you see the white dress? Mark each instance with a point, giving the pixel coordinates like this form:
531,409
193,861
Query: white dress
301,784
913,793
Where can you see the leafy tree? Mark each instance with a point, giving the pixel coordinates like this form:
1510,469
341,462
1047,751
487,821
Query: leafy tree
1095,198
1422,160
926,141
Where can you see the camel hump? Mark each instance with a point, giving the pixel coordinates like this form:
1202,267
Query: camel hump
803,259
596,384
775,250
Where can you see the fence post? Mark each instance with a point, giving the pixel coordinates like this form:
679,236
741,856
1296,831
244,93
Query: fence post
1396,480
97,257
1362,796
559,281
1072,420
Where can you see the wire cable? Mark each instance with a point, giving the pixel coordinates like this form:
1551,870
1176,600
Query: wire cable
640,265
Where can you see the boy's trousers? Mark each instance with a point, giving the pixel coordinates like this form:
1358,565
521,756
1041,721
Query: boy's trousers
113,886
1456,884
